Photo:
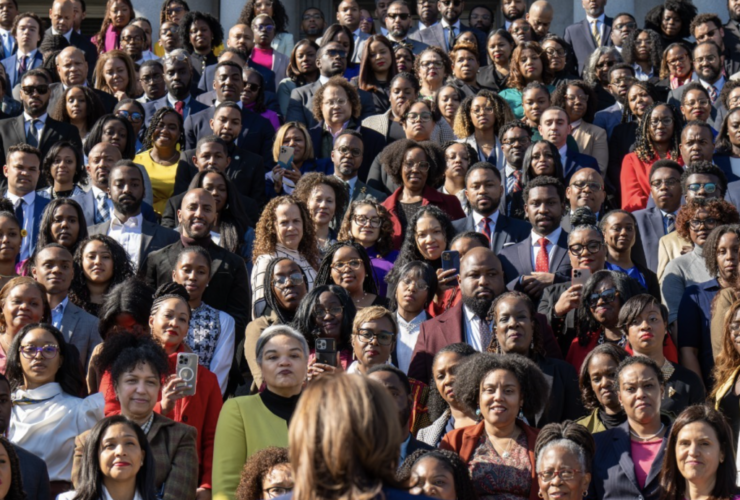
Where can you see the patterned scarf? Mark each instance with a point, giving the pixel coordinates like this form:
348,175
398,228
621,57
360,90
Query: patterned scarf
204,332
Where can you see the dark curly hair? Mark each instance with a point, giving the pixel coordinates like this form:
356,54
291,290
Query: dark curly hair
310,181
533,387
384,244
724,95
393,155
435,402
558,97
502,113
723,142
709,250
79,293
627,114
629,52
132,297
293,72
537,348
686,12
340,82
721,210
157,119
323,275
80,175
450,461
305,323
94,108
703,167
516,79
213,25
257,467
96,135
124,351
638,360
644,144
279,16
588,396
16,491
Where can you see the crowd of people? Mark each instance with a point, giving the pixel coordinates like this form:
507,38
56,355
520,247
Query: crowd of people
397,255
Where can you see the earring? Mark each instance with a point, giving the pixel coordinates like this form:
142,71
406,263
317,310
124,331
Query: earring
531,346
539,494
477,412
585,493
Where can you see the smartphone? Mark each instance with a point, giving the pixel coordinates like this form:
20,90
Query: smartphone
326,351
286,155
187,369
580,275
451,260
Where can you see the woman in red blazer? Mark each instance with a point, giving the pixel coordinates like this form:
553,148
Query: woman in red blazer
416,167
499,451
658,138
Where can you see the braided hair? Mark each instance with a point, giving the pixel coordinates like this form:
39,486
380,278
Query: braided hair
323,275
171,290
157,119
644,145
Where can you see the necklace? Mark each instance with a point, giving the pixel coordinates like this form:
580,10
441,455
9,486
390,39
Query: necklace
506,454
357,301
648,438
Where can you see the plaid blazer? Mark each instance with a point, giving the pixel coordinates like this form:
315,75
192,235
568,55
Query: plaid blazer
175,458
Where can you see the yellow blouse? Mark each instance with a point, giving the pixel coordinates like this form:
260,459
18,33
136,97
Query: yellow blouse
162,177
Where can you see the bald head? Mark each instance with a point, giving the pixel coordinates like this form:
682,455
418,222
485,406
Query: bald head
241,38
72,66
101,159
540,17
197,214
62,15
586,189
481,279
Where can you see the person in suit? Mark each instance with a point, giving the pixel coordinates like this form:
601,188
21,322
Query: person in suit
539,17
483,191
53,267
95,202
707,27
586,189
178,76
151,79
331,59
444,33
348,15
230,291
515,138
27,56
399,387
256,134
555,127
619,77
659,220
72,70
7,16
511,10
138,236
62,23
398,23
542,258
590,33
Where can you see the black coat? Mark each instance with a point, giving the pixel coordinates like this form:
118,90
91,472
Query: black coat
169,215
682,390
564,400
491,79
107,100
621,143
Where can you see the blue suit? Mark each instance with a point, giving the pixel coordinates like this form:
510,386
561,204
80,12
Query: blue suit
723,162
11,67
608,118
192,107
575,161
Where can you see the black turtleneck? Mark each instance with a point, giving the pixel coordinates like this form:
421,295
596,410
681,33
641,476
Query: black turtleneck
611,421
278,405
200,242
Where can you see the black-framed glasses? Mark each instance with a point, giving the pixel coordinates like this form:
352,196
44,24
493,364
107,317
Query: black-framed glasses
49,351
346,150
629,25
403,16
38,89
576,250
384,338
354,264
282,281
669,183
709,187
607,297
516,140
252,87
417,283
155,78
174,10
321,312
555,52
362,220
564,474
336,53
423,117
581,185
697,224
130,116
179,57
665,121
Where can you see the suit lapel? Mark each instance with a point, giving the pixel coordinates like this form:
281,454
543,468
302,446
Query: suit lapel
439,34
69,321
589,38
20,130
621,447
148,230
559,253
499,235
656,221
526,255
655,468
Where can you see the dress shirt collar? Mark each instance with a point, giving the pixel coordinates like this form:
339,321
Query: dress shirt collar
719,84
29,198
509,170
238,103
668,213
172,100
352,183
42,118
477,218
61,307
563,154
600,19
67,35
470,315
357,33
323,79
552,237
640,73
445,25
132,222
84,84
414,323
97,191
31,54
404,447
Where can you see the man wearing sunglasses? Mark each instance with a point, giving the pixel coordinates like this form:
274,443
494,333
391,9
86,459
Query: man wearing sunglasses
589,34
444,33
398,22
624,24
347,158
586,189
34,126
72,69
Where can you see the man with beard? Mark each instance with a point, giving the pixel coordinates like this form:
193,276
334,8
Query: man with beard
331,59
708,65
515,138
481,18
398,21
347,158
72,69
444,34
399,387
620,78
228,289
511,10
540,17
127,226
313,24
133,41
542,258
178,75
465,68
483,190
708,28
34,126
151,77
428,13
53,267
586,189
732,28
593,32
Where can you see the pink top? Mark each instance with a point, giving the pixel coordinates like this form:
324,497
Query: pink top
267,114
262,57
111,38
643,456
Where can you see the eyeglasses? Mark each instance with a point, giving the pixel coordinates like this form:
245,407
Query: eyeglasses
333,311
336,53
132,117
352,264
174,10
38,89
179,57
555,52
315,17
577,249
606,64
277,491
252,87
172,29
264,27
422,166
659,183
581,185
480,110
515,140
697,224
456,3
675,62
431,64
709,187
336,102
346,150
708,59
607,297
701,102
383,338
282,281
576,97
362,220
654,122
402,16
564,474
630,25
417,283
49,351
423,117
129,39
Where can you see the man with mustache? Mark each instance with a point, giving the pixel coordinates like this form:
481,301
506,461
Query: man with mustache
398,21
515,137
138,236
313,24
511,10
542,258
444,33
620,78
593,32
586,189
483,190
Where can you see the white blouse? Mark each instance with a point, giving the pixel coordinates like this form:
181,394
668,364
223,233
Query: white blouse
46,421
69,495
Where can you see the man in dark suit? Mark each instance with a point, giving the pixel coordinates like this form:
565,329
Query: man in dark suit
127,226
540,17
72,69
257,133
515,137
444,33
34,474
586,189
542,258
398,22
178,75
331,59
228,289
593,32
511,10
151,77
555,127
620,77
62,23
483,190
34,126
53,267
27,55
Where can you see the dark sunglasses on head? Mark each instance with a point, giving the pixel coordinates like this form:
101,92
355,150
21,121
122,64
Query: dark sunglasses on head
607,297
134,117
38,89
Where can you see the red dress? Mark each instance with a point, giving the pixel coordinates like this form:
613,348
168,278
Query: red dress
577,353
635,181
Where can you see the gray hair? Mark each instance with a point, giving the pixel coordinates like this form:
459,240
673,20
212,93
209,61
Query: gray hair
570,446
276,330
589,72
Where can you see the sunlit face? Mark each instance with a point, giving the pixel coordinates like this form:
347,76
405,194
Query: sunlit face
448,102
661,124
559,459
305,57
167,133
170,323
433,478
419,123
513,326
457,161
65,225
404,59
348,270
501,398
671,23
733,127
116,74
640,393
97,262
216,185
328,314
120,455
39,370
430,237
482,114
201,36
296,140
443,373
555,127
284,364
412,293
402,93
23,305
647,331
289,225
603,65
76,104
576,102
530,65
620,231
499,50
373,353
322,204
336,107
678,60
727,256
432,69
413,173
606,313
120,14
696,105
193,272
733,100
534,103
365,226
10,239
381,57
581,239
698,452
701,225
137,391
6,472
543,161
290,293
465,65
638,100
602,371
555,55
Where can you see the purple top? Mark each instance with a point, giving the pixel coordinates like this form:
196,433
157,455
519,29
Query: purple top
381,267
268,115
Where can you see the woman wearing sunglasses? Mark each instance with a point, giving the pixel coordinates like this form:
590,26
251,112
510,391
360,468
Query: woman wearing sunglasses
373,338
133,111
645,320
346,264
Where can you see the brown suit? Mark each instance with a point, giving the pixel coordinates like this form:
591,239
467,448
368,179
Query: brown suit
670,246
592,141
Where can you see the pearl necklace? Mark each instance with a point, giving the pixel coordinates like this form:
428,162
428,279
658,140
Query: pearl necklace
357,301
662,426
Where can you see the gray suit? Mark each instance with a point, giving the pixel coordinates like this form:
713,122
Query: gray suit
579,37
363,192
507,232
80,329
650,230
301,102
718,111
680,273
436,36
